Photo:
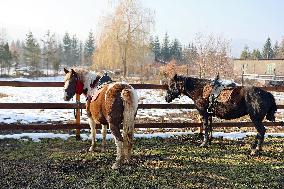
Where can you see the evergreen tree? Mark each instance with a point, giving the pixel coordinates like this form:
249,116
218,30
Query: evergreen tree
256,55
245,53
276,50
67,49
5,57
176,50
89,49
75,51
165,51
267,52
49,49
157,48
32,52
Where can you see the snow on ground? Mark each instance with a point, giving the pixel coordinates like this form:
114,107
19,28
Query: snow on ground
36,137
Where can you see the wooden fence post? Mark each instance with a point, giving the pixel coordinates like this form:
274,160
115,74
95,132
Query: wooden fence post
78,116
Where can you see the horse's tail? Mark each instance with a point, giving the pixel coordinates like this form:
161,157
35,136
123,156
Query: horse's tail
130,103
273,108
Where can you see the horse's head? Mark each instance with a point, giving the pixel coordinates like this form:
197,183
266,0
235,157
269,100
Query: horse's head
175,87
70,82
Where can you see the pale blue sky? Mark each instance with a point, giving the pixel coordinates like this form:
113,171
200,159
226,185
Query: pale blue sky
242,21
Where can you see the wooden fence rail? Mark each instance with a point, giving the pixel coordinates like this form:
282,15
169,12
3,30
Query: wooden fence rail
79,106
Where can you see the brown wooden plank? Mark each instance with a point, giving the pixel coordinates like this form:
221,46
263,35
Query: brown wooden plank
40,105
12,127
136,86
149,86
277,89
31,84
82,105
61,84
166,106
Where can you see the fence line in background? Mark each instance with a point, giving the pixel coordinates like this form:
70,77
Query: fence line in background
77,125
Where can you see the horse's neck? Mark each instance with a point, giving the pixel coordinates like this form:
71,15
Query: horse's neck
197,92
87,78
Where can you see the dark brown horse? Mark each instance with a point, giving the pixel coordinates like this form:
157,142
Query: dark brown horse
109,104
232,103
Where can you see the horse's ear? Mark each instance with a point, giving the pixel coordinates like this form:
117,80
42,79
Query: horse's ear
175,77
66,71
73,72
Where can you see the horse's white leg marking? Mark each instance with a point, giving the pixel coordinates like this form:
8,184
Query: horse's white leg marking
104,133
119,156
93,134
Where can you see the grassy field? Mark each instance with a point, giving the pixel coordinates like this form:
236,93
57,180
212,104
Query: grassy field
157,163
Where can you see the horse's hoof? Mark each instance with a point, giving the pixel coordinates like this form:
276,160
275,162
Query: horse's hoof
115,166
254,152
92,149
204,144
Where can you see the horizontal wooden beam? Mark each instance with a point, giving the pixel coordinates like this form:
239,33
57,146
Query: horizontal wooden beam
82,105
136,86
13,127
41,105
61,84
31,84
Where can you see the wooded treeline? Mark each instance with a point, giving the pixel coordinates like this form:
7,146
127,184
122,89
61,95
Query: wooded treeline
268,51
44,56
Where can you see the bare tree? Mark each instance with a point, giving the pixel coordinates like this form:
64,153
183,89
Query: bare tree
213,56
124,38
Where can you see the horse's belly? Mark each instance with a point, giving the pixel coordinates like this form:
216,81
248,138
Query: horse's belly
229,111
97,113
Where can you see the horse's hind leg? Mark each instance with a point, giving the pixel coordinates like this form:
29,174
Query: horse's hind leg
257,144
93,134
128,144
119,146
104,133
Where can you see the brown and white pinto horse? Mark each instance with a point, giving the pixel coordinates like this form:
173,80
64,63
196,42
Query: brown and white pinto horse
108,104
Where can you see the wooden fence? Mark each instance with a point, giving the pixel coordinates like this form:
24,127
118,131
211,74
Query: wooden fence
78,106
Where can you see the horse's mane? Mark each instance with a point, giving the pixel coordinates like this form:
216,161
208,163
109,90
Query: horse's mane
82,74
192,82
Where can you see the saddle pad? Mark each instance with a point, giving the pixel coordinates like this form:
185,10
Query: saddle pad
96,94
224,96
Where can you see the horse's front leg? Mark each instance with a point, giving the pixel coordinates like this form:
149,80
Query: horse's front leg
206,131
210,130
93,134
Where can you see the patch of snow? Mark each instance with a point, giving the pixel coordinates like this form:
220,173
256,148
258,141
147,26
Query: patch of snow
37,136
